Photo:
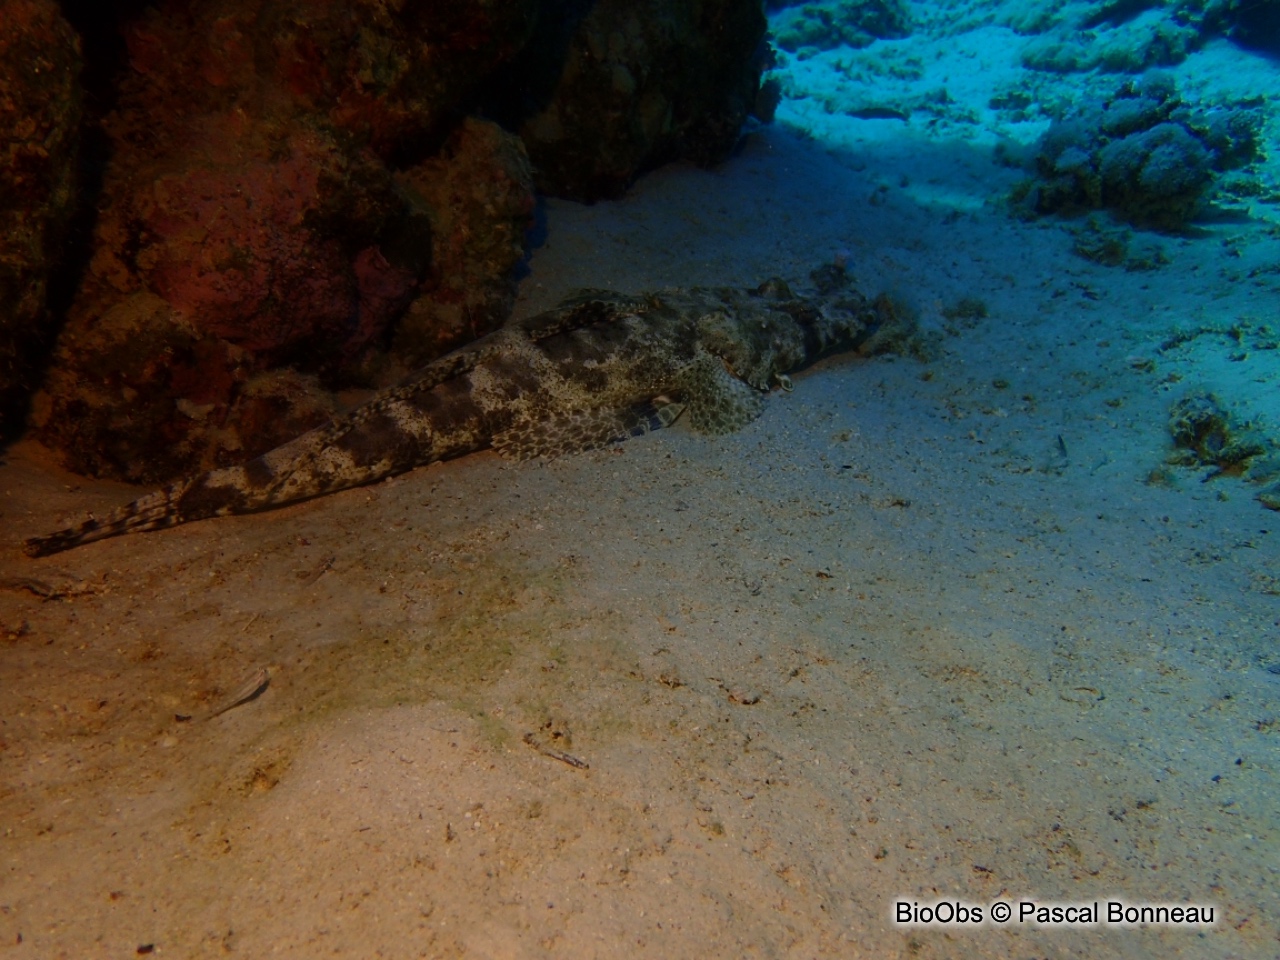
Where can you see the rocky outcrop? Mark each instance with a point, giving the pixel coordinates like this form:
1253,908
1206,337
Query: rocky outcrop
295,200
40,111
251,220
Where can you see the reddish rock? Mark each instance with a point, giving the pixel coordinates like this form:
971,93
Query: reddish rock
479,196
40,107
134,394
250,246
273,245
395,76
384,290
226,240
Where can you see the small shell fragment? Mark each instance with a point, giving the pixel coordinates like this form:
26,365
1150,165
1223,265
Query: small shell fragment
251,689
742,695
533,741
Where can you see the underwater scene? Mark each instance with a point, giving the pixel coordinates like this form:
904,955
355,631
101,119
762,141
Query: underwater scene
640,478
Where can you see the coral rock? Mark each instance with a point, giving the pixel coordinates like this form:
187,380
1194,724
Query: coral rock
1143,154
479,197
133,394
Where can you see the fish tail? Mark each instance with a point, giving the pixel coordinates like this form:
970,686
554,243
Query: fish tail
155,511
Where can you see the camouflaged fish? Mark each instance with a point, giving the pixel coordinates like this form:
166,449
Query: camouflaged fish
597,369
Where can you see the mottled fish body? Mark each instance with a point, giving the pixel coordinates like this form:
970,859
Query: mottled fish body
597,369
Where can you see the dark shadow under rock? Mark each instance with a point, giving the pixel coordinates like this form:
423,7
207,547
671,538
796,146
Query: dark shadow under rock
644,82
40,112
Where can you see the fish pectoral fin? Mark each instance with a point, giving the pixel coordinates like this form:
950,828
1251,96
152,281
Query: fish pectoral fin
667,411
587,428
718,402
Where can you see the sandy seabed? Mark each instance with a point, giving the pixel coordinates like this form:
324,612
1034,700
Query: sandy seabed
928,630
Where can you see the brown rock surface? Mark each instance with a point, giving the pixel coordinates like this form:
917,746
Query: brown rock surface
40,108
479,194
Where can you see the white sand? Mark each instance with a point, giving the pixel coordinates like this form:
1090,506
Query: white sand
922,631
